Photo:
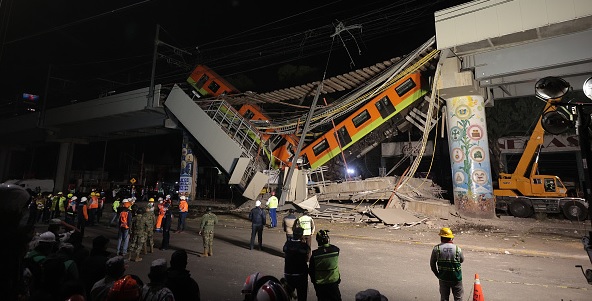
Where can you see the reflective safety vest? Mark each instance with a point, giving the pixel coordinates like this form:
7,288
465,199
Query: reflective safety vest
306,224
272,202
324,265
183,206
449,264
94,202
116,205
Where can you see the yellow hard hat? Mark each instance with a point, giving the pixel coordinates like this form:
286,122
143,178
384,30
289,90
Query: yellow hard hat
446,232
151,200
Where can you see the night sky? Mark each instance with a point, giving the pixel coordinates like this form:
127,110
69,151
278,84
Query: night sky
88,48
70,50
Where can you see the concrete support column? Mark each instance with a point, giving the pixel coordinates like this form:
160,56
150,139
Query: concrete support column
64,166
186,183
467,142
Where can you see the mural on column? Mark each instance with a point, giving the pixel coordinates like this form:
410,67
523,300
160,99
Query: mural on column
469,156
187,165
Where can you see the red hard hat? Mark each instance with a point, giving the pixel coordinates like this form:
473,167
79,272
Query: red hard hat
125,289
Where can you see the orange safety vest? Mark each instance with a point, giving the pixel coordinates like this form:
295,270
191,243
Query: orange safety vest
123,219
94,202
183,206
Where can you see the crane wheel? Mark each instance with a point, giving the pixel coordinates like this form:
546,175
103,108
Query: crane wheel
575,211
521,208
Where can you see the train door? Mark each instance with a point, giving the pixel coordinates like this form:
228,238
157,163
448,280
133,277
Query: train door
385,107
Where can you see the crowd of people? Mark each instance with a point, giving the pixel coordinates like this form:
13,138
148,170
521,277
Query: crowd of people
55,265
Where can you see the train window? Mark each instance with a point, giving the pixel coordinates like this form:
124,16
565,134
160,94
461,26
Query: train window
249,114
405,87
202,80
320,147
214,86
344,137
385,106
361,118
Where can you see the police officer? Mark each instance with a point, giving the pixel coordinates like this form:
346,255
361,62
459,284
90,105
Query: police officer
307,224
206,229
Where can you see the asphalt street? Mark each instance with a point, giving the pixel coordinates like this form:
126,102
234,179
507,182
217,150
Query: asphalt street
395,262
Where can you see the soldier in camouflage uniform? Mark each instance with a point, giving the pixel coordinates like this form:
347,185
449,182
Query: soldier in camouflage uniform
138,235
206,229
149,222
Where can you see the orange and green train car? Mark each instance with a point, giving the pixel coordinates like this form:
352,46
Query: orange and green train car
363,121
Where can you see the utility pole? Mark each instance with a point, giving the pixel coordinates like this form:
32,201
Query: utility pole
286,186
150,103
155,56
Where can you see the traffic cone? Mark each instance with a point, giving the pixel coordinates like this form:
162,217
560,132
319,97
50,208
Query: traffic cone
477,292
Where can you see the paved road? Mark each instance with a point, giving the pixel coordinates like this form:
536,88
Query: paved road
396,262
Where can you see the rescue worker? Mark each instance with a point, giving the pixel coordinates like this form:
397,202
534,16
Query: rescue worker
445,263
137,235
272,204
161,212
62,202
125,222
70,216
206,229
183,210
93,206
115,207
257,218
82,214
323,269
288,224
55,209
150,220
307,224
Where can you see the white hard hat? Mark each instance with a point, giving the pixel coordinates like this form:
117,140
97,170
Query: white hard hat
258,203
74,198
47,237
183,197
83,199
125,201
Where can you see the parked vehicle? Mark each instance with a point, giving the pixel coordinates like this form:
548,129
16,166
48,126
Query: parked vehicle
36,185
